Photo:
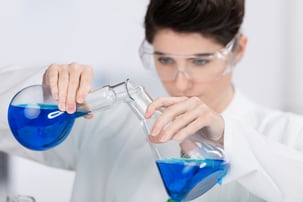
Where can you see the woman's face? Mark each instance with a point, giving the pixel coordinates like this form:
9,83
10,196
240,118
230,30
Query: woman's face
215,92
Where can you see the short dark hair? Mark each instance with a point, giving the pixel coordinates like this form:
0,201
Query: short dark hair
216,19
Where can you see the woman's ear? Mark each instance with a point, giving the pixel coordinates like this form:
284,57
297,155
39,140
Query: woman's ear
240,49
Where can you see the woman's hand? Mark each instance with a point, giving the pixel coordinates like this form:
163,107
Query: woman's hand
182,117
69,84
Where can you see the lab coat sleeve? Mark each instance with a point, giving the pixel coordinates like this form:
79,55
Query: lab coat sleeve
267,160
13,78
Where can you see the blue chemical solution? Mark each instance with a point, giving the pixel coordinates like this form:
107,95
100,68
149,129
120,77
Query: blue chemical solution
187,179
40,126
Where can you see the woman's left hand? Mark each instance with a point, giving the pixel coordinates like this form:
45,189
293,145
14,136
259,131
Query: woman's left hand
182,117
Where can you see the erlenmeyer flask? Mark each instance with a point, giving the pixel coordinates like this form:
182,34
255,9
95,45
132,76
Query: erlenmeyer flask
38,124
188,168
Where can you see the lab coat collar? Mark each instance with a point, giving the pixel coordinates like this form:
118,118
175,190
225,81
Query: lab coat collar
238,105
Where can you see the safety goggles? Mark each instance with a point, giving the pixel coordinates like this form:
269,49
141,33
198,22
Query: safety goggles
200,67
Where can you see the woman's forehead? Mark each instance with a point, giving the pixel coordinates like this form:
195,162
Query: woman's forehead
168,41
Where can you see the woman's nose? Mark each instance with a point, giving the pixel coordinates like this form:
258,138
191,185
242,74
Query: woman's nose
182,81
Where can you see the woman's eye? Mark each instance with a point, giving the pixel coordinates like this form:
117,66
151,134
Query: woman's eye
200,61
165,60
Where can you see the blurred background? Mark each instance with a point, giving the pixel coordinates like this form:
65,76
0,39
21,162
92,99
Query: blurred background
107,34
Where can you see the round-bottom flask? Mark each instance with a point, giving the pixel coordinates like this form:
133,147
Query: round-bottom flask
37,123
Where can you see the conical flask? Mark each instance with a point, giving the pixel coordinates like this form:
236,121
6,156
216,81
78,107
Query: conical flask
38,124
188,168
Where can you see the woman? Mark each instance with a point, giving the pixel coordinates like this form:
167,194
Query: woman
193,46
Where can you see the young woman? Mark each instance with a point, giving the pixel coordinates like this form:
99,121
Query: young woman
193,46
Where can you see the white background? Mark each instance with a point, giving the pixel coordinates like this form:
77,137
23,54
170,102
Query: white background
106,34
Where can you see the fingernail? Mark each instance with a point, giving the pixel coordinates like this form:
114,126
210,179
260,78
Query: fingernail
62,106
148,113
163,138
154,132
70,108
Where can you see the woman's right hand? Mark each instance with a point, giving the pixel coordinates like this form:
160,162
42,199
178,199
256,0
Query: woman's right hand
69,84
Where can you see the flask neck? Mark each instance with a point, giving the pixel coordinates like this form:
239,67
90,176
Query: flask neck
140,99
105,97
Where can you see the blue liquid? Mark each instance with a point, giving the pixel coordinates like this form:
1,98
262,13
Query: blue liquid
40,127
187,179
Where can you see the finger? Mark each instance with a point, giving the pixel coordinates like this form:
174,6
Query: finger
190,129
154,139
86,79
63,80
166,118
197,111
89,116
177,125
172,112
51,79
161,102
73,85
206,120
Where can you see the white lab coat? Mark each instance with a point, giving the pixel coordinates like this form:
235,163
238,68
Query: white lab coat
113,161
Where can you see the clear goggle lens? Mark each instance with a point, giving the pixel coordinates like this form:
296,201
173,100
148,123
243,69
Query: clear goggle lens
202,67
